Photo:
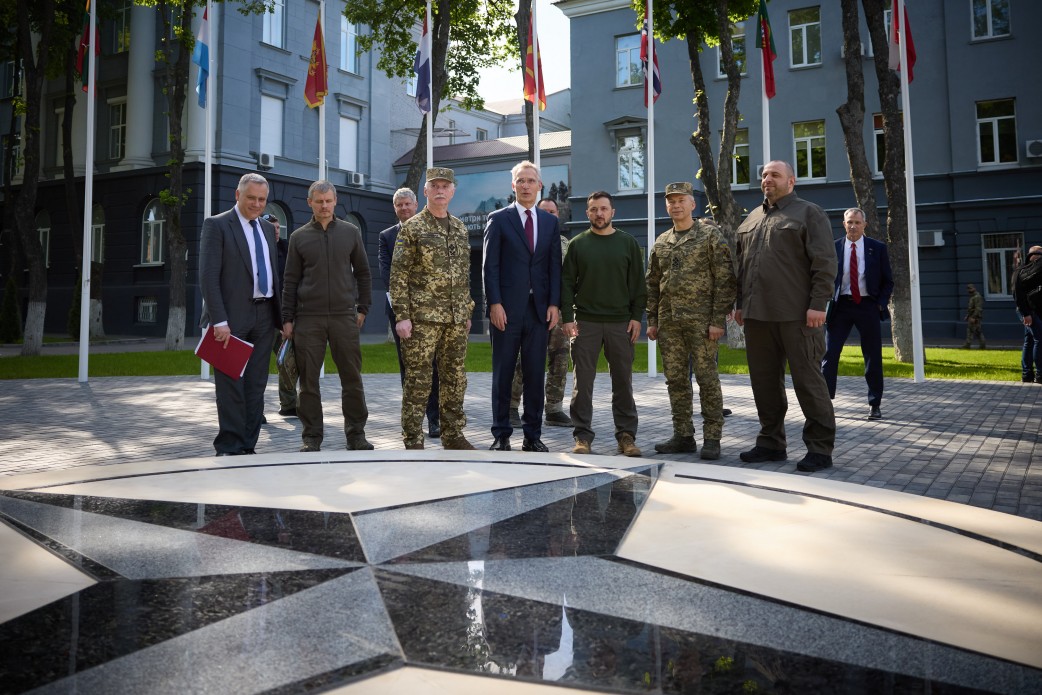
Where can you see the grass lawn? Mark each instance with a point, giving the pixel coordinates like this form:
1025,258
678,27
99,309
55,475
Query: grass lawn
941,363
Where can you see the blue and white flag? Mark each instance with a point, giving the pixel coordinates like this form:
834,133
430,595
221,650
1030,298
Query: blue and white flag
422,66
201,57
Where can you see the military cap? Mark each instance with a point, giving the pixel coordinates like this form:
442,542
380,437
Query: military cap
680,188
434,173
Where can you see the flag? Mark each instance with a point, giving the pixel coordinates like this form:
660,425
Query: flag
83,54
765,42
201,57
895,51
422,66
657,84
530,71
317,85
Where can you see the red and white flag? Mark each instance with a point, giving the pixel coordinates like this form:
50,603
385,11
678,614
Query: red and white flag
895,51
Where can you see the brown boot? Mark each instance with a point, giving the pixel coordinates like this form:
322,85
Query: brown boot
413,446
459,443
626,445
582,446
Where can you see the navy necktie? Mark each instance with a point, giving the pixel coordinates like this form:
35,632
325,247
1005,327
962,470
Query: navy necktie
262,267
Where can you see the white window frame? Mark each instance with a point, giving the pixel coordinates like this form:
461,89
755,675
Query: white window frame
410,86
43,229
997,257
274,25
630,158
7,85
988,6
97,234
803,30
350,60
741,151
117,128
59,136
878,145
631,56
121,28
272,121
737,39
153,234
480,134
348,155
993,123
808,142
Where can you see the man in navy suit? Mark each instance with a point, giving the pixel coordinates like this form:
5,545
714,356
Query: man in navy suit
864,284
240,285
522,277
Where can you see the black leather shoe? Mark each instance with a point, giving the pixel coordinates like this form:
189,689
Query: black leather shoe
434,429
288,412
533,445
501,443
247,452
727,411
760,454
814,462
227,453
876,414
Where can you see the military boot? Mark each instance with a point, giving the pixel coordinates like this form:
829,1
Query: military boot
710,450
677,444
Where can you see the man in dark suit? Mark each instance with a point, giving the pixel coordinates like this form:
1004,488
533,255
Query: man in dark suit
405,204
240,286
522,277
864,284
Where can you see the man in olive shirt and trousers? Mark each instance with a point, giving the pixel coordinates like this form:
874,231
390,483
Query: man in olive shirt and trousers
327,294
603,296
786,275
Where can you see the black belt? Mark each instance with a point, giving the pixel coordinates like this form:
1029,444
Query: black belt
849,298
260,300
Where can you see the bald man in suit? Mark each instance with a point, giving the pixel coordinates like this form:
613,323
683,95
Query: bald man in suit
240,285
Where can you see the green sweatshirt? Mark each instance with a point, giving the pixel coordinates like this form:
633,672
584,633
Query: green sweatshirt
603,279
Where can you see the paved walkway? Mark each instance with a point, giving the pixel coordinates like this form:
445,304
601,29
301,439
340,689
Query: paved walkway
972,442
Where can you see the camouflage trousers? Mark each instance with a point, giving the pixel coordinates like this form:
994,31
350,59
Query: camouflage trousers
556,374
449,342
683,345
974,332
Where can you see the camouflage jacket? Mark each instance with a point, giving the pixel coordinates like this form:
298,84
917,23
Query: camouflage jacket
430,271
691,277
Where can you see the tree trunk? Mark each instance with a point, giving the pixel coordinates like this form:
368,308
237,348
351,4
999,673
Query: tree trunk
893,181
34,72
439,50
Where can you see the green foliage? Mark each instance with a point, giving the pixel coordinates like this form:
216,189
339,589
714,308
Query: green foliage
10,314
678,19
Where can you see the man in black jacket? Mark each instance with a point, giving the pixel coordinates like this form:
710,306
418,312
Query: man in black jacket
1031,366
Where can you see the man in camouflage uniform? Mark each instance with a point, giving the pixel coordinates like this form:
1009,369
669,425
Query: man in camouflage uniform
556,362
974,317
430,296
691,288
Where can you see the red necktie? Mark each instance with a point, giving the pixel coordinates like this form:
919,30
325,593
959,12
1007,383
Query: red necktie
530,230
855,289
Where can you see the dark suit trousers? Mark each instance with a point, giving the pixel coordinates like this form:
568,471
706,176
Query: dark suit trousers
240,402
769,344
527,334
432,400
865,316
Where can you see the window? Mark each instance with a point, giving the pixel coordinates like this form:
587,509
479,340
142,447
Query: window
998,250
97,235
271,125
880,143
452,132
809,145
410,86
805,36
152,246
996,132
117,129
738,47
990,18
59,136
631,162
121,31
480,134
146,310
348,144
274,21
349,59
740,161
43,228
7,80
627,61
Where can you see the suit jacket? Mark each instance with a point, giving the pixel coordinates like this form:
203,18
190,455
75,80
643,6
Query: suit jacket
226,272
388,237
511,270
879,280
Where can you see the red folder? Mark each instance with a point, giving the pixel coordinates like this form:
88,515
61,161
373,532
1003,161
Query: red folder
231,360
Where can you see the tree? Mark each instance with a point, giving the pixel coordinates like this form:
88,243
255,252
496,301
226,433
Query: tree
482,36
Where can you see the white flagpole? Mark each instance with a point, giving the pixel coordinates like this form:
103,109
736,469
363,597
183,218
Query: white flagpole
649,90
430,90
536,144
322,106
88,197
918,375
765,109
204,368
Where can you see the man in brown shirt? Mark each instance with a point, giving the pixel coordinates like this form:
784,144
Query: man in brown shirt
786,270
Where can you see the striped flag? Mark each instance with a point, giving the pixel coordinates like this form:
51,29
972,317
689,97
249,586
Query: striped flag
422,66
201,57
317,85
534,66
895,51
657,83
765,42
83,54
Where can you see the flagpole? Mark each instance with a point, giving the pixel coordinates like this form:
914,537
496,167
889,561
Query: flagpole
204,368
536,68
649,95
88,197
765,112
430,89
918,371
322,105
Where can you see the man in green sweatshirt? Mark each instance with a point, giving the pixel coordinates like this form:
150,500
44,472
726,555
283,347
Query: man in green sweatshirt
603,295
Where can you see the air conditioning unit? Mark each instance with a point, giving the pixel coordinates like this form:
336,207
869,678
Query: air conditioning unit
265,160
929,238
355,178
1033,148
